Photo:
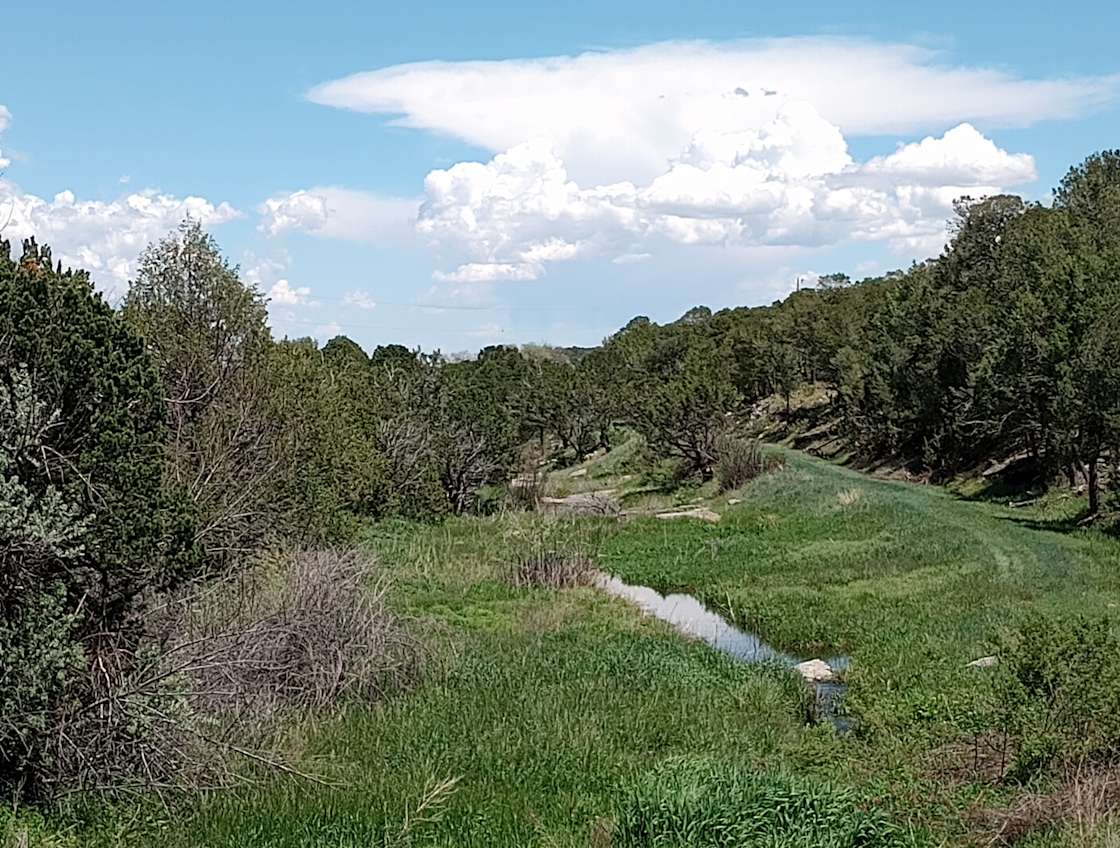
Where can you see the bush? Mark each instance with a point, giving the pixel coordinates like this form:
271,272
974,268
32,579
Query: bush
86,527
1058,692
220,666
695,803
554,554
739,460
305,630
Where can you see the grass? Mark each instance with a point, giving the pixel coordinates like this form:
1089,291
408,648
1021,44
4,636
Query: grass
558,717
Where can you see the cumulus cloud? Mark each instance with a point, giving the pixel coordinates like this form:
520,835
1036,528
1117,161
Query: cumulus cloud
360,299
283,293
790,181
103,237
334,212
962,156
622,114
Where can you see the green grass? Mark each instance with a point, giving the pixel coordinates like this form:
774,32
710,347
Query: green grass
558,718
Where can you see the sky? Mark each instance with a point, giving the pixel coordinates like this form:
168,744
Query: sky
451,175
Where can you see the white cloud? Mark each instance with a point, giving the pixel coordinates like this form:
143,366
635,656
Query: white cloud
333,212
622,114
283,293
789,181
103,237
960,157
360,299
5,122
489,272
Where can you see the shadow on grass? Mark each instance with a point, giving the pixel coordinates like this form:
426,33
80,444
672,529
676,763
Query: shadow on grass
1051,525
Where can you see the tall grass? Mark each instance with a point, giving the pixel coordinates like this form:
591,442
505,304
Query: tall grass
706,803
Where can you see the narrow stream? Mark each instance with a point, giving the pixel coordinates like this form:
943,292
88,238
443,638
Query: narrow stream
692,618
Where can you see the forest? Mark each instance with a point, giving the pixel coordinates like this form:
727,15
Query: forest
183,497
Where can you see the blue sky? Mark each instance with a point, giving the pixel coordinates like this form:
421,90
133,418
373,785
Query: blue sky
632,158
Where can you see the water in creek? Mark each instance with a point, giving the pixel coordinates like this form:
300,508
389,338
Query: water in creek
693,619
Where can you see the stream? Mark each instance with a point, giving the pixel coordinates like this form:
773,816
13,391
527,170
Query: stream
691,618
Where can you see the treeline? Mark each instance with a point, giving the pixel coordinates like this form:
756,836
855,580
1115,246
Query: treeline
1007,345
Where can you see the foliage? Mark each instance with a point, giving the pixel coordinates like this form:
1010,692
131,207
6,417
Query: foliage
679,393
207,333
86,527
1058,692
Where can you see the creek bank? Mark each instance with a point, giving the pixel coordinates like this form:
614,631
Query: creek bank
691,618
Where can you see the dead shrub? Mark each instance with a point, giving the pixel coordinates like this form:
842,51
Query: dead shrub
738,460
554,554
1084,802
979,758
301,632
554,570
304,631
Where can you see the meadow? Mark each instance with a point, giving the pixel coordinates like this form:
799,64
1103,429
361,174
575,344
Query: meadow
562,717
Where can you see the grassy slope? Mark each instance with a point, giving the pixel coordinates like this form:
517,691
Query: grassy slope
547,706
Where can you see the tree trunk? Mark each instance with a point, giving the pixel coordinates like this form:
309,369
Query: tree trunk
1093,480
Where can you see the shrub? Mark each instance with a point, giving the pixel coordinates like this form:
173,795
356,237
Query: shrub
739,460
86,527
298,633
304,630
554,554
708,804
1058,692
554,570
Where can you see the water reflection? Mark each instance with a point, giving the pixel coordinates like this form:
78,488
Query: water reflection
692,618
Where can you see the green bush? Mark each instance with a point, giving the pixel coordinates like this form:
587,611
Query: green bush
1058,692
86,526
698,803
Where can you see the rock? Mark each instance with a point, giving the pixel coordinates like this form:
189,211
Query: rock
700,512
984,662
734,501
588,503
579,472
816,671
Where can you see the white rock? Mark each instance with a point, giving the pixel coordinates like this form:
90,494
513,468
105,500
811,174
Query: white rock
984,662
579,472
816,671
700,512
733,501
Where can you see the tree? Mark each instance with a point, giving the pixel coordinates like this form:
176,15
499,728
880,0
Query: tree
683,394
342,350
87,529
207,332
1090,196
